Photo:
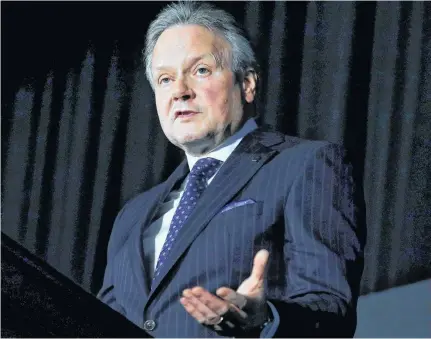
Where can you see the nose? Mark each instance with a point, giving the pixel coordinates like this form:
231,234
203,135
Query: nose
181,91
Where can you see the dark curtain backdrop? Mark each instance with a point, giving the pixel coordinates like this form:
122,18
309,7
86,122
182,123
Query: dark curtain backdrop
80,133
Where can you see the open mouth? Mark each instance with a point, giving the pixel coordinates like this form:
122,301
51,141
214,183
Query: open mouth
184,114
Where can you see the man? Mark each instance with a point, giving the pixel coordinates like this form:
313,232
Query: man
255,233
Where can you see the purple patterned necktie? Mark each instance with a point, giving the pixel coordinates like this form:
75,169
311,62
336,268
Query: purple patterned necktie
203,170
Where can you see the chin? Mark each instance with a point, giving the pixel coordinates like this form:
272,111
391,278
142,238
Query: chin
191,135
191,141
195,143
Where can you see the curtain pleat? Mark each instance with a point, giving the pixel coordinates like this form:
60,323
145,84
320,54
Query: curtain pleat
327,52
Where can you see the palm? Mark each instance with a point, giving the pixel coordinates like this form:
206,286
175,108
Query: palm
247,305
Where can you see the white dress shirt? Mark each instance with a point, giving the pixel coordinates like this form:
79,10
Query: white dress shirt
155,235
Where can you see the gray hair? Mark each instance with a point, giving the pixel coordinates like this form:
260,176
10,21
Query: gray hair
216,20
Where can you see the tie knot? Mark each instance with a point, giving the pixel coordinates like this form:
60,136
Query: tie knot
205,168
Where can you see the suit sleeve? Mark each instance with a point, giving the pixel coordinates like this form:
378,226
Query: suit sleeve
107,291
324,243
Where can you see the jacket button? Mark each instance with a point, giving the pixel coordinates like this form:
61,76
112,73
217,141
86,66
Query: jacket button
149,325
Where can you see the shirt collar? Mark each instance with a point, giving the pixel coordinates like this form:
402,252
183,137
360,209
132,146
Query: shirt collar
223,151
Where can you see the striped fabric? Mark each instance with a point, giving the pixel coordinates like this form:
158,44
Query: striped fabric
203,170
308,212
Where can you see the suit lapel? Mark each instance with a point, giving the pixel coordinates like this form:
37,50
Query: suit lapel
250,155
137,250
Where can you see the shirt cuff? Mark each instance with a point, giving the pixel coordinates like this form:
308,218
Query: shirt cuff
271,327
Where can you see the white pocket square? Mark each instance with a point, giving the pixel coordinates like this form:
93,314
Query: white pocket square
237,204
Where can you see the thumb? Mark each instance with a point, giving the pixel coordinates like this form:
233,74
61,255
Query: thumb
259,265
253,285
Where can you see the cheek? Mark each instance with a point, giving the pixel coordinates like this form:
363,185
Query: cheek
162,106
217,98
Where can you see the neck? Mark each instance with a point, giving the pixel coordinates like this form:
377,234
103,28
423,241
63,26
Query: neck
205,146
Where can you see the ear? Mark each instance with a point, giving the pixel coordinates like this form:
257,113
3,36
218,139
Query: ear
249,85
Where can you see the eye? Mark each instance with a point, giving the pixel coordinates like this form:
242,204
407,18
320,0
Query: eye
202,71
164,80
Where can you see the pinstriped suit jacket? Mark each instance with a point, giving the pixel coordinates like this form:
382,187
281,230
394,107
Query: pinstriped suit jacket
308,212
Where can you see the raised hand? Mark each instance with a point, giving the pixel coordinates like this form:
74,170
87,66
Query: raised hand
229,310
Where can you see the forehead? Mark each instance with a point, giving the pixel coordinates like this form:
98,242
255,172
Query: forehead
178,43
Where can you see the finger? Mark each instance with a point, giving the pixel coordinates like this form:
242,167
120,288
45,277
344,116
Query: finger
214,303
204,307
230,295
218,306
259,264
224,292
192,310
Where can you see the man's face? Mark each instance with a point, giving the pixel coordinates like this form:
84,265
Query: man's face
198,103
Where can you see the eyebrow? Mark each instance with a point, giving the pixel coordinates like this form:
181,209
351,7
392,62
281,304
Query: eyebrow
192,61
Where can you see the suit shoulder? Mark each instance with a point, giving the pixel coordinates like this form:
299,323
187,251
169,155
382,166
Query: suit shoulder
128,216
137,200
299,150
300,153
304,148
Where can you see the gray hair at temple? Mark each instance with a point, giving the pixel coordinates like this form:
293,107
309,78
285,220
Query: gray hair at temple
220,22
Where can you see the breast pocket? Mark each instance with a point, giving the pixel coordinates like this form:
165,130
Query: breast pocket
248,206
